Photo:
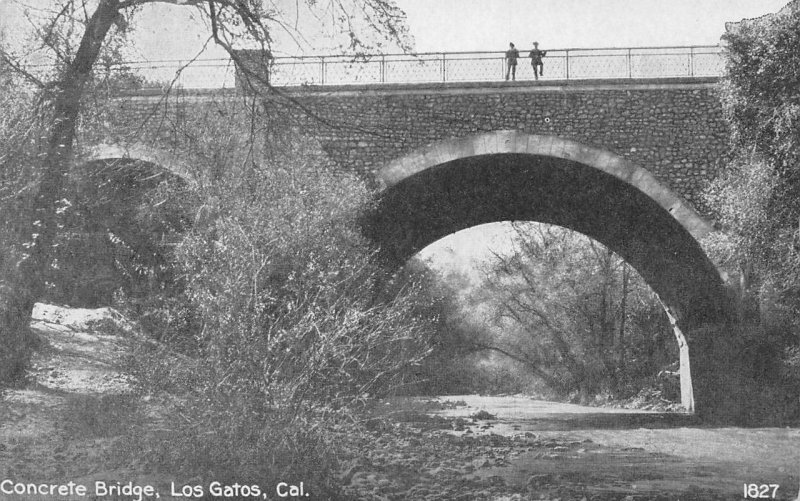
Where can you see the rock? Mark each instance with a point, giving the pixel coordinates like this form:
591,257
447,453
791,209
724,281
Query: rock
535,481
100,320
483,414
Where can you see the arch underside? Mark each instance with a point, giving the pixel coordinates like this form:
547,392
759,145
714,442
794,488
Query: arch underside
438,200
140,156
110,193
132,174
122,213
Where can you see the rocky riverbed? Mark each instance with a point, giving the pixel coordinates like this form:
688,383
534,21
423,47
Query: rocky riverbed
58,425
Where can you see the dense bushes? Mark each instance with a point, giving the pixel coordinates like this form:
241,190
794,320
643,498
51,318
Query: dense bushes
555,314
755,199
20,129
120,217
579,313
105,239
291,321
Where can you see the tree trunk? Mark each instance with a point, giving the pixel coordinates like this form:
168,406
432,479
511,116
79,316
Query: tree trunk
623,315
28,285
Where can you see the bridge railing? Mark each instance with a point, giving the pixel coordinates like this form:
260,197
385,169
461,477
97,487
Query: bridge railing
559,64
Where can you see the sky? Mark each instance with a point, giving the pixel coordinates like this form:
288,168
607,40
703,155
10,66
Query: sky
453,25
481,25
168,32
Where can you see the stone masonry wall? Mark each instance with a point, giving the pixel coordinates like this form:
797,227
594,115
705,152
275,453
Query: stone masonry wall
674,129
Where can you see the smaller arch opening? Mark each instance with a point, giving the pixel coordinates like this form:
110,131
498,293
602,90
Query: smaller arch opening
119,221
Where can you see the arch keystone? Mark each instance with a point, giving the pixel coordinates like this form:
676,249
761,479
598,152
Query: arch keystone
507,141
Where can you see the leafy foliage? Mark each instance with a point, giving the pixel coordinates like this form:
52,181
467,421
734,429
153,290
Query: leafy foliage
74,40
573,313
293,321
119,221
760,89
20,128
756,197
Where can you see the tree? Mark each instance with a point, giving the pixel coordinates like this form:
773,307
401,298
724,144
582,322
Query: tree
76,53
572,311
18,153
756,198
287,334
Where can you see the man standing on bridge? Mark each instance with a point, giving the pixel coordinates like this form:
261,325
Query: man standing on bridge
512,54
536,56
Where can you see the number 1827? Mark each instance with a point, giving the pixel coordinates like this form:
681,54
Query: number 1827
760,491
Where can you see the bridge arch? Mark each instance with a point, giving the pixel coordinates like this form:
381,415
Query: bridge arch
126,205
128,154
510,176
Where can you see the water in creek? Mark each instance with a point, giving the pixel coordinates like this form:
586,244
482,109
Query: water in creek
636,451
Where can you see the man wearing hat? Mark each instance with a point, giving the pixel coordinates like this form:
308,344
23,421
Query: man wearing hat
536,56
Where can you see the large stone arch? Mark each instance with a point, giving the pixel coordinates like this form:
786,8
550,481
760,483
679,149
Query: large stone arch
509,175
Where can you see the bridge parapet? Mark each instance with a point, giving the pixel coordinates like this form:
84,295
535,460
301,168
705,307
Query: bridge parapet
487,66
672,127
571,64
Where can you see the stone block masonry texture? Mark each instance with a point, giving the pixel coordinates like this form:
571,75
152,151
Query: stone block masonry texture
673,128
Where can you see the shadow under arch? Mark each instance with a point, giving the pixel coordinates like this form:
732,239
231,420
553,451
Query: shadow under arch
135,153
123,215
512,176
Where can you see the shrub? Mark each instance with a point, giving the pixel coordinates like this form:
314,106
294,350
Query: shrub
298,323
755,200
119,221
19,130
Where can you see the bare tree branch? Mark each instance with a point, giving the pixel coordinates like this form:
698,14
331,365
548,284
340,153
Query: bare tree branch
14,65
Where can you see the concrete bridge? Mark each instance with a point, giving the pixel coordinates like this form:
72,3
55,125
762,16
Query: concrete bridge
622,161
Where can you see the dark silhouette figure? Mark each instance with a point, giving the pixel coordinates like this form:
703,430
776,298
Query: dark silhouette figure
512,54
536,56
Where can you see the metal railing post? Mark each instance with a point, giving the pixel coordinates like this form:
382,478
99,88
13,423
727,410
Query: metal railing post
566,64
691,61
383,68
322,70
444,67
630,67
